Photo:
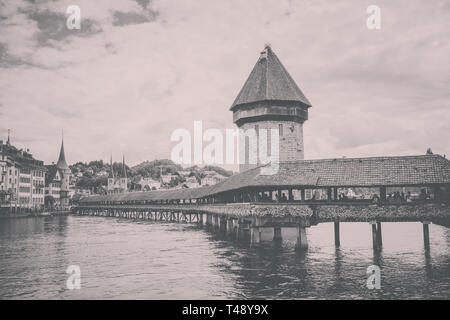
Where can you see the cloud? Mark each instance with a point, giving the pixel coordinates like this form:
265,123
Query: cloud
137,70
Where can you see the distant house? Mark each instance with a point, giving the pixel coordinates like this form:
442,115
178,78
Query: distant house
211,178
103,173
191,182
148,184
184,173
166,178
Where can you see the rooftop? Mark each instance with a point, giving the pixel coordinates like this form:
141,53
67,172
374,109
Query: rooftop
343,172
269,81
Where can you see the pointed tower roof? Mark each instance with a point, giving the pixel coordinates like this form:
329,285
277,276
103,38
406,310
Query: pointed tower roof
124,168
269,80
111,173
8,142
62,164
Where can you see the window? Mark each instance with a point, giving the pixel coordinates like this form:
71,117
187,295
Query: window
280,129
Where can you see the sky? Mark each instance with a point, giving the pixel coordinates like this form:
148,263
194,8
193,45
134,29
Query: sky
137,70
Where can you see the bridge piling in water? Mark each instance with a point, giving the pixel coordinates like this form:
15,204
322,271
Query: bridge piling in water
277,237
374,234
426,235
302,242
337,241
379,235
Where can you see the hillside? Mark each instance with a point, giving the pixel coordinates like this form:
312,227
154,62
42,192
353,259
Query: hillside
94,175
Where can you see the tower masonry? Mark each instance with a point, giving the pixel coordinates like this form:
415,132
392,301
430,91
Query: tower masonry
270,99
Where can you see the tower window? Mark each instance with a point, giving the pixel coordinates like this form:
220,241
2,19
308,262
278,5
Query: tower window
257,130
280,129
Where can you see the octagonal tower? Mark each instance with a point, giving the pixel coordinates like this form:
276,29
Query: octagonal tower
270,99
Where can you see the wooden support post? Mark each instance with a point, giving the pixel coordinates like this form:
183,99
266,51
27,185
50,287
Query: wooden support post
302,191
335,193
291,195
223,224
379,236
236,228
329,193
216,221
277,237
302,242
426,234
230,227
255,235
337,240
374,234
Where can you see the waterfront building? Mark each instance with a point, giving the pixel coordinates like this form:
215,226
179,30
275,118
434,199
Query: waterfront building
117,184
58,182
22,177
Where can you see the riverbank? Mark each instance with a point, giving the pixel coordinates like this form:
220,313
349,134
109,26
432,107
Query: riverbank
8,215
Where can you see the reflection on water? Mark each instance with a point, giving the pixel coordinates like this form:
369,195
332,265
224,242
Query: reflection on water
122,259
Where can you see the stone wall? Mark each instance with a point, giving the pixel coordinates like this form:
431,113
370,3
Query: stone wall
290,144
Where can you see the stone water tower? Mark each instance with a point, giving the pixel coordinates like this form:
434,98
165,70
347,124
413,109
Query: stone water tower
270,99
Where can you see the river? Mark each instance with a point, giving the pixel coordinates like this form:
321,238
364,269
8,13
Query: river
124,259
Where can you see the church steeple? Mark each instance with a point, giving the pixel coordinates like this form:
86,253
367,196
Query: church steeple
8,142
62,164
111,173
124,168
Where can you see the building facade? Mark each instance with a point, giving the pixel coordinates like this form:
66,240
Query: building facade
211,178
22,182
57,182
270,100
117,183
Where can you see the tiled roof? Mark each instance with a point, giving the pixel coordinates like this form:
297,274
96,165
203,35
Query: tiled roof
362,172
350,172
269,80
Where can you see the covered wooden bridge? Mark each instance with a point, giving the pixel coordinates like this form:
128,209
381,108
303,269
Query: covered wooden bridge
301,193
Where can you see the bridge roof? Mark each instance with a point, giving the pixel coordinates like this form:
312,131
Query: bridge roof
360,172
343,172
